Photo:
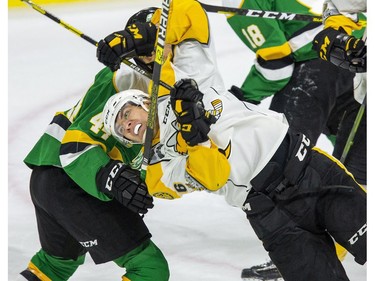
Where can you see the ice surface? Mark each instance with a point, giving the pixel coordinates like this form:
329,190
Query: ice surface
49,69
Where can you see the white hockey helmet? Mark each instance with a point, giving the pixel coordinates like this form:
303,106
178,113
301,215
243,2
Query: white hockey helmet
114,106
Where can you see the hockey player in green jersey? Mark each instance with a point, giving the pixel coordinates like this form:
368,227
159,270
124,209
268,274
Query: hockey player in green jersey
87,194
315,96
339,44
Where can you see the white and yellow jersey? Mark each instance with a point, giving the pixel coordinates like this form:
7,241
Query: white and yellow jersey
242,141
349,6
344,14
193,52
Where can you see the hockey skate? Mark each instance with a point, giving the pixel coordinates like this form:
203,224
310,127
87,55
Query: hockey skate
263,272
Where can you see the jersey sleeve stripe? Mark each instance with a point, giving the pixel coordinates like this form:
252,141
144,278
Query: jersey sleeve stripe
304,38
275,75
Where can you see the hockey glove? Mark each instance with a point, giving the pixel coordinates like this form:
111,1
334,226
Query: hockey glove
187,105
238,93
341,49
137,39
125,185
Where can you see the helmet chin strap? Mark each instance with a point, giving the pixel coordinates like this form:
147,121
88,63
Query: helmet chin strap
145,108
144,137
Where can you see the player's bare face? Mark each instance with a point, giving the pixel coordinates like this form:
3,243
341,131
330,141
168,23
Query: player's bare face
131,122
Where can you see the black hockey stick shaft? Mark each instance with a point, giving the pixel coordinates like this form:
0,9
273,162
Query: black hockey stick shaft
90,40
353,131
159,60
260,14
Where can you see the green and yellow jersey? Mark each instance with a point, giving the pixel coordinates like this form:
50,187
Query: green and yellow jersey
277,44
75,139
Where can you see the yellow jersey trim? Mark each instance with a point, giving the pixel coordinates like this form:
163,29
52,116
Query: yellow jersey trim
36,271
341,21
274,53
79,136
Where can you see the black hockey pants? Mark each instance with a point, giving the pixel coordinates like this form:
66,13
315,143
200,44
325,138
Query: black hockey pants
319,98
298,202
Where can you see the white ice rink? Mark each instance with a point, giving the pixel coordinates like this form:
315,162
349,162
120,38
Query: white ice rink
49,68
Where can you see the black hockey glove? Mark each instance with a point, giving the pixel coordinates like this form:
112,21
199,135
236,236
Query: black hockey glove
237,92
187,105
137,39
341,49
125,185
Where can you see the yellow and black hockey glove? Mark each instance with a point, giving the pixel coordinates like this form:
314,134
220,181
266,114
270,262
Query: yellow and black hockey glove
341,49
125,185
193,119
138,39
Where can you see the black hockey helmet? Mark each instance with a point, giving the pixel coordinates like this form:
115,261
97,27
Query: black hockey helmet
144,15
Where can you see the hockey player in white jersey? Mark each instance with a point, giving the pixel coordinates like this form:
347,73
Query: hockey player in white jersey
291,193
206,139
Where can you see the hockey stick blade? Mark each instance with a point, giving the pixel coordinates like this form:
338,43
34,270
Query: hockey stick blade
260,14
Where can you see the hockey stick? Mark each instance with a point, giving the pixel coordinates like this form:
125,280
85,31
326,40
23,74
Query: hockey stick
152,112
90,40
353,131
358,118
259,13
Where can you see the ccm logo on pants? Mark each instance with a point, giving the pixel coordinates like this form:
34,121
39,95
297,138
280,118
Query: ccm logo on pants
359,233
